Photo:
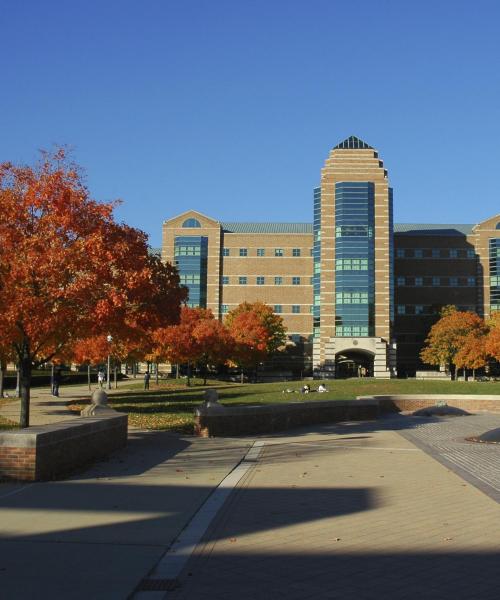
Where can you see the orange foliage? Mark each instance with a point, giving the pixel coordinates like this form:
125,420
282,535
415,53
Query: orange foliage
447,337
68,271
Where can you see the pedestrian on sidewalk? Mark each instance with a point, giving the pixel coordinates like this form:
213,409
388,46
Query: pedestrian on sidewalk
100,378
56,381
147,377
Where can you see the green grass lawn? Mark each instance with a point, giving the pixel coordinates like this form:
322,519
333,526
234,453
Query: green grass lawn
171,405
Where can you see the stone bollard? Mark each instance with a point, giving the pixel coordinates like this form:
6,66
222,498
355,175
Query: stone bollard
212,400
99,405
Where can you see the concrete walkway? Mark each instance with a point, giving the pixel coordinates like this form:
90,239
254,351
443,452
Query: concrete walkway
45,408
344,511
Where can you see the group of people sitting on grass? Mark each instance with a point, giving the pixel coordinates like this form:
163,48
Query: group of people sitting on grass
306,389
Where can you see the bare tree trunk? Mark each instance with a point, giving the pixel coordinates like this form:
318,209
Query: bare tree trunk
189,375
157,374
25,384
241,375
114,375
52,379
177,371
88,376
2,375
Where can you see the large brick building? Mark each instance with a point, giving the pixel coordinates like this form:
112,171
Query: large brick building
354,290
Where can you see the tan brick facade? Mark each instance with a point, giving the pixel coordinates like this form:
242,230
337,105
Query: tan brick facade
273,263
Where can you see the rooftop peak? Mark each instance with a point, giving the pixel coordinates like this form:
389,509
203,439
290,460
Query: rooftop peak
353,143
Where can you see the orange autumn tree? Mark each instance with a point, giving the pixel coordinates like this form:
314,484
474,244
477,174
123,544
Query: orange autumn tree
68,271
447,336
492,343
472,353
198,339
257,332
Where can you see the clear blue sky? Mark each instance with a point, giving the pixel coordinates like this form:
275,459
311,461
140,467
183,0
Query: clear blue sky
231,106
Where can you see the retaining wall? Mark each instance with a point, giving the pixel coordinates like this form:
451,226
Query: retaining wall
241,420
52,451
412,402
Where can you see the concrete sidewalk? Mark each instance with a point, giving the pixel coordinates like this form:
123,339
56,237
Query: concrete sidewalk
45,408
352,512
97,535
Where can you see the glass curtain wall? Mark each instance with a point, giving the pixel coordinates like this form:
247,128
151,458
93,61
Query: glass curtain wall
191,254
354,259
317,261
494,274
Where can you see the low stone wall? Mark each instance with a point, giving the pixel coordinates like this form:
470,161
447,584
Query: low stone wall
412,402
52,451
246,420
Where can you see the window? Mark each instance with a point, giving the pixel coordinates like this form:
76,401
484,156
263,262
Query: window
278,280
225,251
311,251
261,280
436,281
225,280
471,281
454,281
191,223
243,280
243,252
351,264
296,252
401,281
400,253
311,308
311,280
436,253
419,281
224,308
453,253
187,251
278,308
351,297
260,252
419,309
498,225
189,278
418,253
401,309
278,252
295,280
471,253
295,309
495,281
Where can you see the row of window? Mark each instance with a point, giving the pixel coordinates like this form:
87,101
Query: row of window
351,264
261,280
187,251
435,253
436,281
351,297
495,281
351,331
262,252
426,309
278,308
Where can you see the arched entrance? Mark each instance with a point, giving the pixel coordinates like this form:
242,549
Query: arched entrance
353,363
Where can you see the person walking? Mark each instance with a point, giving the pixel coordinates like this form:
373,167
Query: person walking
56,381
100,378
147,377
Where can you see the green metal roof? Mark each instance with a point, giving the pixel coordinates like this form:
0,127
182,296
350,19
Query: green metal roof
353,143
267,227
433,229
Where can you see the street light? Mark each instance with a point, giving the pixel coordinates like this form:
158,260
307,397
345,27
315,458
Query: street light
109,340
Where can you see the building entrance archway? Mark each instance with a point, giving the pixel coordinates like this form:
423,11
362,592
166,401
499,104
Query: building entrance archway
353,363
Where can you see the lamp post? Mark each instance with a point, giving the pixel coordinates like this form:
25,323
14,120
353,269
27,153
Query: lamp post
109,340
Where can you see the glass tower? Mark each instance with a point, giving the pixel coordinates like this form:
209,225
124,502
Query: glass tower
354,259
191,253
